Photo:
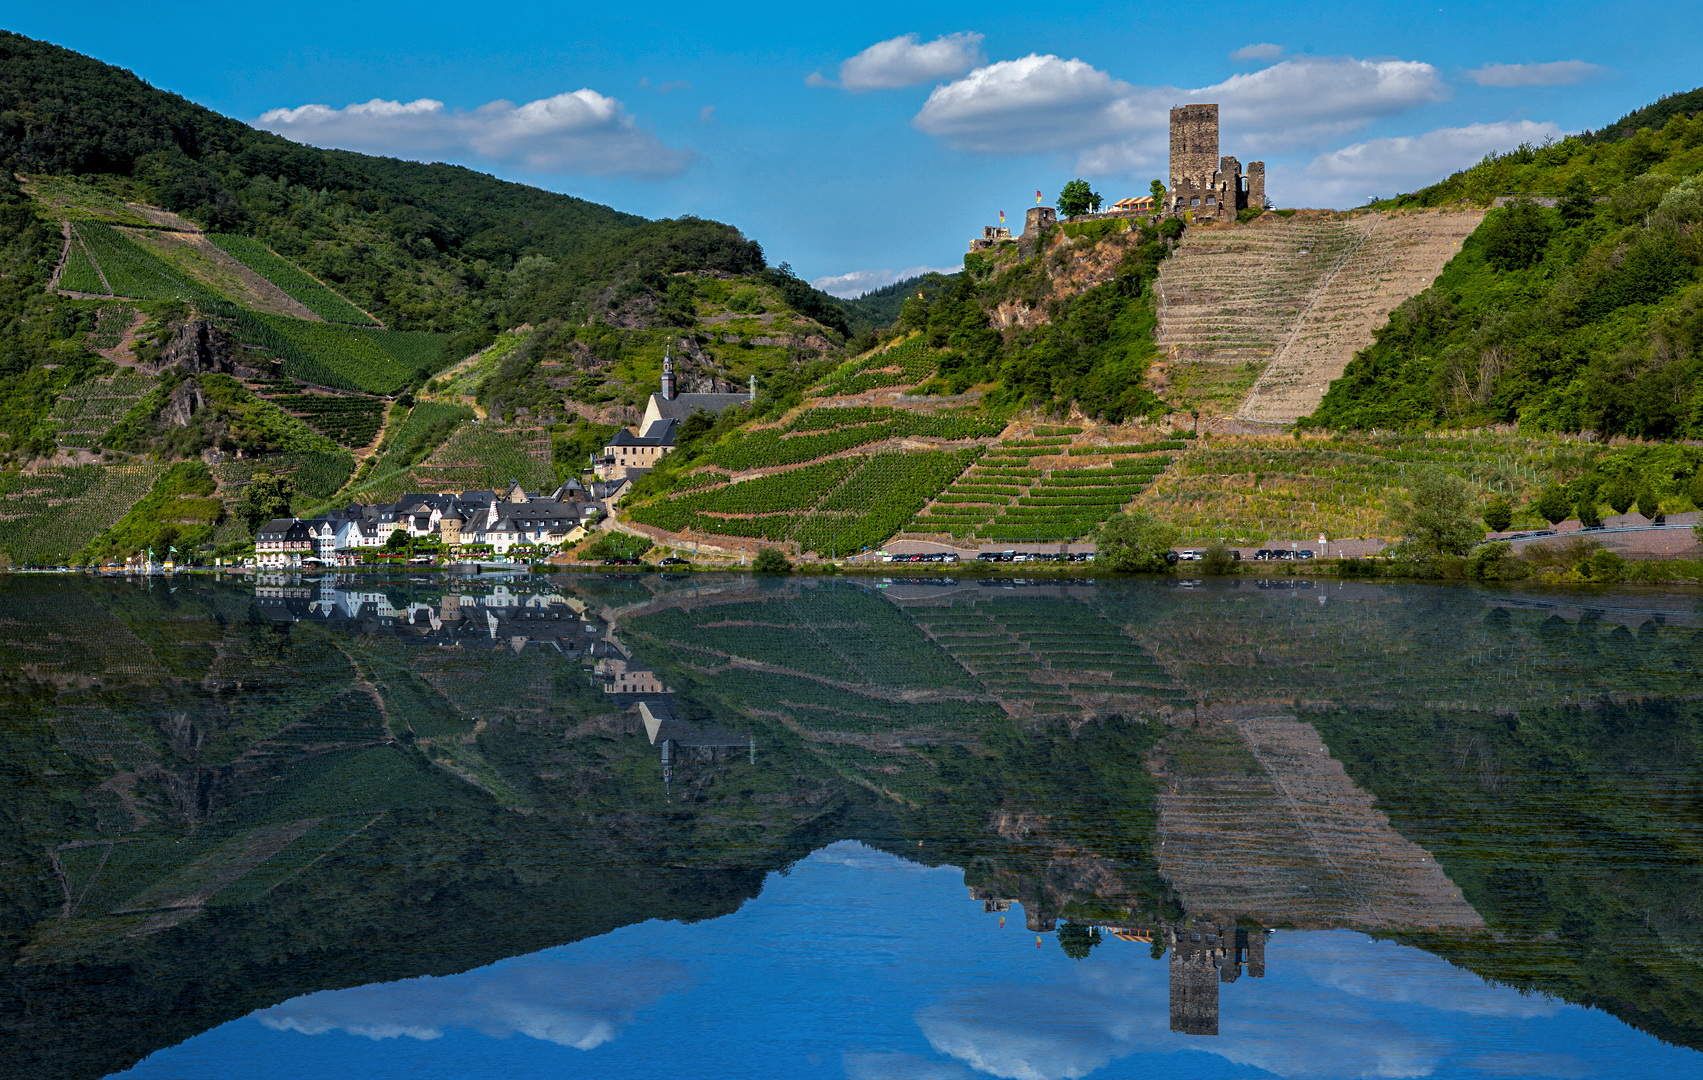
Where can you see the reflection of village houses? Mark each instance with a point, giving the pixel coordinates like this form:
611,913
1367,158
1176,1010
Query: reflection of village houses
498,616
466,522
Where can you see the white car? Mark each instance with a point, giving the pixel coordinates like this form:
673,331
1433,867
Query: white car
1190,555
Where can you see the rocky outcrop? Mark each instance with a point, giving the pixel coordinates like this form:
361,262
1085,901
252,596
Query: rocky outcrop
200,346
184,403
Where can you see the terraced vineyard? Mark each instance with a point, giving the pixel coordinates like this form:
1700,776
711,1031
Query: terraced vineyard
299,285
1042,489
130,271
47,516
818,433
316,475
87,410
351,421
906,364
489,456
1247,489
110,324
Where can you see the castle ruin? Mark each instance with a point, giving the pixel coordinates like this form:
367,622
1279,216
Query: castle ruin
1204,185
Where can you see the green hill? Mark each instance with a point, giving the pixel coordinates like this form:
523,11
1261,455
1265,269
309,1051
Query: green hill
150,247
1577,309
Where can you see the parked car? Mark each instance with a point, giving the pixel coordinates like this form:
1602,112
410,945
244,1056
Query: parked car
618,561
1188,555
1304,554
674,560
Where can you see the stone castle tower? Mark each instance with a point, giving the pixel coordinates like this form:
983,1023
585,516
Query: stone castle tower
1203,184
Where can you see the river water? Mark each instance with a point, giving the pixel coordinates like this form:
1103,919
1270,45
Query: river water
633,826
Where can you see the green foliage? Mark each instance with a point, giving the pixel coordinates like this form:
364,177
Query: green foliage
267,496
489,456
573,444
300,286
1436,517
1585,317
1552,504
617,545
343,357
134,272
1495,562
1217,559
1515,236
1498,514
351,421
771,561
179,512
1135,541
1077,198
817,433
52,513
1077,941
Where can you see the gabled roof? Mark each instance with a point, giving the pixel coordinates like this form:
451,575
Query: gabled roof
683,405
627,438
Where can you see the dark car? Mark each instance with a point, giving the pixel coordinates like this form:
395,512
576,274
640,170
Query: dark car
622,562
674,560
1303,554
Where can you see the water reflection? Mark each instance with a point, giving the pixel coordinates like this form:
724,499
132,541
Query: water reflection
225,797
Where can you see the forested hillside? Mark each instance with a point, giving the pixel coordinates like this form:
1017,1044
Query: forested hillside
1578,308
177,284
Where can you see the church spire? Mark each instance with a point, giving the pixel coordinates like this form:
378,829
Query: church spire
668,372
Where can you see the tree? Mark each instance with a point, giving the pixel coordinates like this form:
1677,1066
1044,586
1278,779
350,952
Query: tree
1576,205
1077,941
1217,559
914,314
1649,505
1157,190
1135,541
1620,494
397,541
1586,508
1515,236
268,496
1553,505
1499,514
1436,517
772,561
1077,198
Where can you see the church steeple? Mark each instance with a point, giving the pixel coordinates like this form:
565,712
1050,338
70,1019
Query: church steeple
668,373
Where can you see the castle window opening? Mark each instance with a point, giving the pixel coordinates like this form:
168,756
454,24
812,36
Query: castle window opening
1210,201
1195,201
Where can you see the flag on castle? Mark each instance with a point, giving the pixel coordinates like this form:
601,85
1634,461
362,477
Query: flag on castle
1002,217
1037,198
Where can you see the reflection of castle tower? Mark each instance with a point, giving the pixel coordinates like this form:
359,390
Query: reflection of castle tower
1204,954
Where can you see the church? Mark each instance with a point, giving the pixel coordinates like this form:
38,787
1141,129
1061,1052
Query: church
656,435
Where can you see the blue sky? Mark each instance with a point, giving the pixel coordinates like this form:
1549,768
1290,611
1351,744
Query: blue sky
859,966
860,141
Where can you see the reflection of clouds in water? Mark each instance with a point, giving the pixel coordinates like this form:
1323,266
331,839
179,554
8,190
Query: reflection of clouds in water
1355,1013
578,1005
861,857
902,1067
1560,1066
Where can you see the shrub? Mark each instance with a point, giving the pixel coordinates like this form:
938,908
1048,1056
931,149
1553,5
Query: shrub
1499,514
1495,562
1218,559
772,561
1135,541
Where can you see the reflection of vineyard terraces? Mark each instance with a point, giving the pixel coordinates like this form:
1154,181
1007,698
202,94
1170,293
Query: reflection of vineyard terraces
1307,291
1270,827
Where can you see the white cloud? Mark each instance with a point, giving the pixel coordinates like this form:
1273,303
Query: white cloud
907,60
1406,162
859,282
1555,73
902,1067
1043,103
1346,1006
577,1005
581,132
1266,51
